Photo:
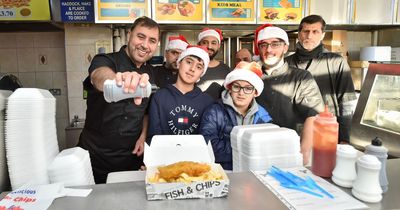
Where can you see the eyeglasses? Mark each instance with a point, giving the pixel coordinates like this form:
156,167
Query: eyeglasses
273,45
247,89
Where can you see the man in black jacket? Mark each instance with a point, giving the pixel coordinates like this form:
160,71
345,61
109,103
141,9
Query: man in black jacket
114,133
290,95
330,71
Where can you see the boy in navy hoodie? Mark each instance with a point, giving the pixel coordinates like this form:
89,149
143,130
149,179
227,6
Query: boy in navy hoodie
177,109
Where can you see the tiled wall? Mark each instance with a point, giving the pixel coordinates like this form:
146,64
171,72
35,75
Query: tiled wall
355,41
20,55
80,44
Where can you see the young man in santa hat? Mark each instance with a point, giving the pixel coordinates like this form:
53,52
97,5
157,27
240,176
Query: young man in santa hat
290,95
236,107
167,73
211,82
177,109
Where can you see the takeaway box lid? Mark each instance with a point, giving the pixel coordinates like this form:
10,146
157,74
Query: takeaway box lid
168,149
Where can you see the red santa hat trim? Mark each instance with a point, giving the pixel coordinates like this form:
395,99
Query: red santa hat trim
268,31
177,42
250,72
217,33
198,51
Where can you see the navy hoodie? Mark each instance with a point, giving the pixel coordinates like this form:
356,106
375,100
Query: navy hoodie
174,113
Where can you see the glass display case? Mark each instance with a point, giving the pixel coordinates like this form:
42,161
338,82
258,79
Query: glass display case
378,109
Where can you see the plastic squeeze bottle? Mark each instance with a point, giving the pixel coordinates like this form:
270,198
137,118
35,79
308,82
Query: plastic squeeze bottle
378,150
325,139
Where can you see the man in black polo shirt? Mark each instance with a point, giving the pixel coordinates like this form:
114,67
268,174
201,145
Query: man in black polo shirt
290,95
114,133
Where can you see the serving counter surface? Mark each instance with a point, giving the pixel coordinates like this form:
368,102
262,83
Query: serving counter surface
246,192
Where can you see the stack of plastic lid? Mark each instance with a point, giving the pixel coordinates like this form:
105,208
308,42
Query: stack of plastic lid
31,136
71,167
258,148
4,180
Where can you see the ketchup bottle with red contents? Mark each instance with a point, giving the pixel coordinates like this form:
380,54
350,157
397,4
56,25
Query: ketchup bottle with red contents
325,139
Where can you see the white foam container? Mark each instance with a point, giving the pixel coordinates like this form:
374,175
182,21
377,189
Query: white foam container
263,163
236,137
273,141
259,147
72,167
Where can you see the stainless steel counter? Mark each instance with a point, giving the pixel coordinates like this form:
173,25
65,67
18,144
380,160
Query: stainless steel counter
245,192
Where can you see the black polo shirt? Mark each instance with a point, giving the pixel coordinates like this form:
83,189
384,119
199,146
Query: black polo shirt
111,129
290,95
164,76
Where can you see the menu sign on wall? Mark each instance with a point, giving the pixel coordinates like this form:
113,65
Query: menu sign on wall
77,11
231,11
120,11
24,10
282,11
179,11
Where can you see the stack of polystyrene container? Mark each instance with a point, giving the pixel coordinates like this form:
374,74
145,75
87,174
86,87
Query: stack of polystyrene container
257,147
71,167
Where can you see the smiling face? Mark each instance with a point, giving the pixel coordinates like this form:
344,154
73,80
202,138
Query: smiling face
190,69
272,51
311,35
142,43
240,99
212,44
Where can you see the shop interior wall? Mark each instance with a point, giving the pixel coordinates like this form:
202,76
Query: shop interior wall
389,37
69,54
20,55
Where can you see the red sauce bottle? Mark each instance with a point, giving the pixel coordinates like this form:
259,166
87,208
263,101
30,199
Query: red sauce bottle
325,139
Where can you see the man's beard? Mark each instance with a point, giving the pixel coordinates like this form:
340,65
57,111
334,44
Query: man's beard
213,55
272,62
172,66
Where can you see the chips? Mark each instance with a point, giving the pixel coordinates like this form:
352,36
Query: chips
185,172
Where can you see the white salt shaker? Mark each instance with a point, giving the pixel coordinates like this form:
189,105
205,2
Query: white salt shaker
345,170
113,93
366,187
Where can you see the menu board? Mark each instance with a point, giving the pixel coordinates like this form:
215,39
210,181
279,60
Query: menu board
120,11
280,11
179,11
231,11
24,10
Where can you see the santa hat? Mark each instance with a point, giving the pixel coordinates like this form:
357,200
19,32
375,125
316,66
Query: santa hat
250,72
217,33
177,42
268,31
198,51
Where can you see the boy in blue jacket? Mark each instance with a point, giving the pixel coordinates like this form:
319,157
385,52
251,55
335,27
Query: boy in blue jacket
177,109
236,107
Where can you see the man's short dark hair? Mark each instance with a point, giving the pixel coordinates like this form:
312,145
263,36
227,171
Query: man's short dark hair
311,19
146,22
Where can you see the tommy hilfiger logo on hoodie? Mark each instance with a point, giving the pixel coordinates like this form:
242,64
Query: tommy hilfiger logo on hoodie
184,120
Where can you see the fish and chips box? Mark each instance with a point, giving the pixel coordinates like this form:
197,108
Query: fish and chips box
169,149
